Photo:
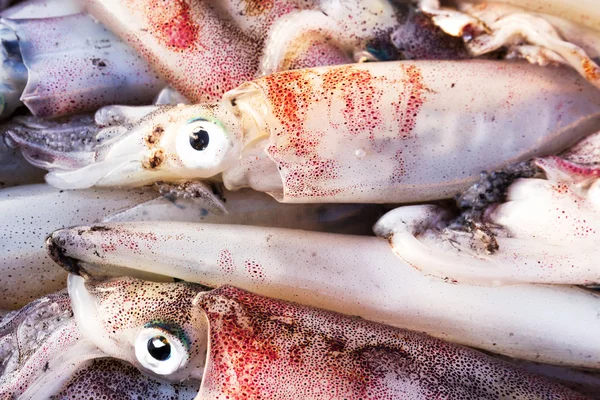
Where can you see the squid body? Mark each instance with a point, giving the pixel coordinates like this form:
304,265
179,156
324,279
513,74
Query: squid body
355,275
375,132
247,346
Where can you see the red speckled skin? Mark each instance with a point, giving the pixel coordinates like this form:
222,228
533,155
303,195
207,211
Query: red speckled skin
262,348
198,53
380,132
205,48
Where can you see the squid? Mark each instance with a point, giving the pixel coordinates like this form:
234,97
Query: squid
243,345
355,275
570,36
205,48
538,222
72,354
31,212
374,133
67,65
43,355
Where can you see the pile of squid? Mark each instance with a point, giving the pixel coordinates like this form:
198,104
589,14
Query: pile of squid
299,199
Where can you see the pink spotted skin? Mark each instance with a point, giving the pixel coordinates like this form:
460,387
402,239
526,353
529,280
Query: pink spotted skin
261,348
205,48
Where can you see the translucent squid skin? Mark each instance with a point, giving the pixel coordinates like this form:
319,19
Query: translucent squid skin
249,346
354,275
205,48
374,132
40,347
76,65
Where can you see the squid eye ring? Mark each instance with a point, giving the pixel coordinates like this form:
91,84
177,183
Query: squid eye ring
202,143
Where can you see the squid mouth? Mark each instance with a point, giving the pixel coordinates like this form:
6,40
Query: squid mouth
540,228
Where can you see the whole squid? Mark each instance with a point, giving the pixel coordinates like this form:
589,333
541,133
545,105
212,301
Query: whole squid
354,275
247,346
375,132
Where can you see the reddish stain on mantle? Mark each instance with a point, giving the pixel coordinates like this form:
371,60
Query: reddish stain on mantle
173,24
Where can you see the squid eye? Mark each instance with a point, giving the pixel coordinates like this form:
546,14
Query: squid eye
202,144
159,348
199,139
160,351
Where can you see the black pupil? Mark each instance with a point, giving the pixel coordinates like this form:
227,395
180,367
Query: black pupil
159,348
199,139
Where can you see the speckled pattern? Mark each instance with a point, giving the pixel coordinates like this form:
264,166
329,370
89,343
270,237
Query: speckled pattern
270,349
128,305
108,378
205,48
413,128
29,214
77,65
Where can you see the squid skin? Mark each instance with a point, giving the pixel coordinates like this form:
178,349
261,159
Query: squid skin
40,348
76,65
108,378
337,143
192,43
256,347
354,275
31,212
